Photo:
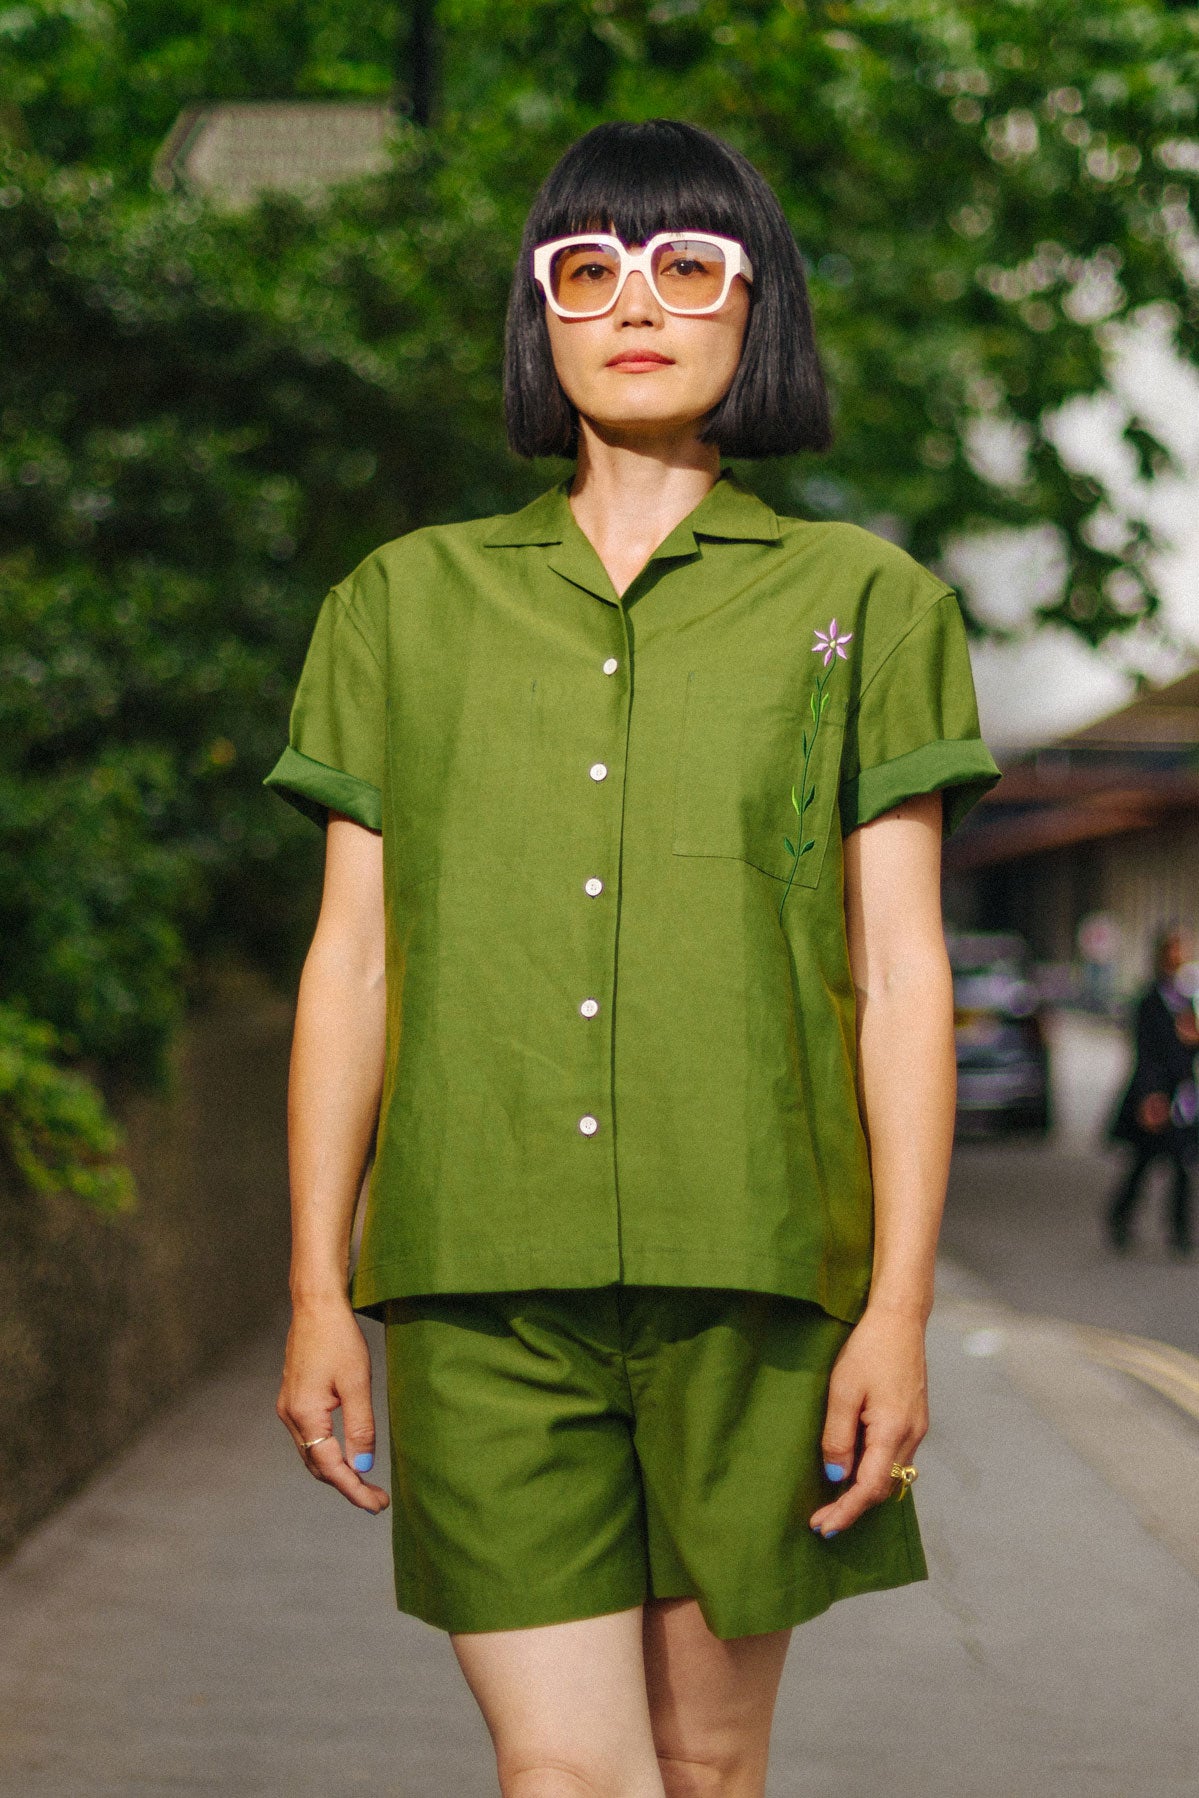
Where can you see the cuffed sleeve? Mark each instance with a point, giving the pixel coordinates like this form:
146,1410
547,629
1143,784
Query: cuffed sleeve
914,727
336,736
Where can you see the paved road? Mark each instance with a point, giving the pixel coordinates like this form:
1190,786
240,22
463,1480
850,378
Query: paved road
1026,1218
203,1618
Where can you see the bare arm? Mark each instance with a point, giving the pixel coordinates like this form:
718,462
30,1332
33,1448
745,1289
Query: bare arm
333,1099
878,1398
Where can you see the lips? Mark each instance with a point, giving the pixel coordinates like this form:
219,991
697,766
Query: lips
639,356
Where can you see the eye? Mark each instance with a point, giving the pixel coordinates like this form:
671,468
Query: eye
684,266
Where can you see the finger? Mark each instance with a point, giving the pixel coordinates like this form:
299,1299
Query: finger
358,1417
329,1464
306,1424
871,1484
839,1438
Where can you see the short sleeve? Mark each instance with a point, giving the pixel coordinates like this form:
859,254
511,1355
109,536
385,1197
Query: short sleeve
914,726
334,756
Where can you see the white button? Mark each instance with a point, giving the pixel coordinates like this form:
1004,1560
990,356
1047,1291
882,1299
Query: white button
597,770
589,1007
593,886
611,665
588,1125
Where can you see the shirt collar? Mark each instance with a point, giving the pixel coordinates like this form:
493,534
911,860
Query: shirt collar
728,510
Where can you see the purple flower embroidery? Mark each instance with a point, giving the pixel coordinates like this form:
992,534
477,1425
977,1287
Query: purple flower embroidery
830,644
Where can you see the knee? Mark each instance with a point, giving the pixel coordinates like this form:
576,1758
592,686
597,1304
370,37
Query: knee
559,1779
547,1780
728,1774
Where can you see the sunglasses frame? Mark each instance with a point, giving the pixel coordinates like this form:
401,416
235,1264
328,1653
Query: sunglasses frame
736,262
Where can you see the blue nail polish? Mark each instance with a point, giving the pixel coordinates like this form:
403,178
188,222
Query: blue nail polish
833,1470
363,1463
829,1533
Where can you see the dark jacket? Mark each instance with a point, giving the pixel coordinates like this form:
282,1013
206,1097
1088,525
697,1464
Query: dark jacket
1164,1064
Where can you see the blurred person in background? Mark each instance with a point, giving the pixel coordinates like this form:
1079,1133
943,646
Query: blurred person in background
1157,1113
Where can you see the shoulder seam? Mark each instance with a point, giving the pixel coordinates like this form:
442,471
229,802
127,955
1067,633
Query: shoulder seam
946,592
347,606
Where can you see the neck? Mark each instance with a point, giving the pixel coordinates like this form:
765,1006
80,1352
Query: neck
633,494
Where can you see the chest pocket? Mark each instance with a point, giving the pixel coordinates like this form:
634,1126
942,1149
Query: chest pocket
742,751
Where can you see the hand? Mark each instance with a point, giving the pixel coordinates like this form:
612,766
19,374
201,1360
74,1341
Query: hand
1186,1028
1153,1112
878,1403
327,1365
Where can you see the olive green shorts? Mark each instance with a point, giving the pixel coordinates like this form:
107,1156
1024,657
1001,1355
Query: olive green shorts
563,1454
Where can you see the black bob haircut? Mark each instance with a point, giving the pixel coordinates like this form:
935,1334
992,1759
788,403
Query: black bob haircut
664,175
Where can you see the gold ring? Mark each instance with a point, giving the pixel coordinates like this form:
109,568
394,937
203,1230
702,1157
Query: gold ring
317,1440
906,1474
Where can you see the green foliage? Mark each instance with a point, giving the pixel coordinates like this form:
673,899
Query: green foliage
54,1129
205,418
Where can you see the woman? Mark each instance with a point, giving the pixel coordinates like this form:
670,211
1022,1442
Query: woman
631,936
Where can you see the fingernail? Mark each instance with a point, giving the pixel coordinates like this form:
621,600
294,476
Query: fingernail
833,1470
363,1463
829,1533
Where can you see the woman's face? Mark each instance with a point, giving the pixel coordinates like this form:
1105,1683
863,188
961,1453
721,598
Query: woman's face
640,372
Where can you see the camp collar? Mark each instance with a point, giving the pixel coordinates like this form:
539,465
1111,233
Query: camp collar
728,509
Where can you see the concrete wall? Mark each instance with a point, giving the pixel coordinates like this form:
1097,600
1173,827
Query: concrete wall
103,1320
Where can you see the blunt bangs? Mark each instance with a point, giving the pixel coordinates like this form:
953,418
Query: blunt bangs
665,175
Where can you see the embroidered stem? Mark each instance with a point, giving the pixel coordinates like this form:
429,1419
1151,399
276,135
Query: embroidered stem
819,700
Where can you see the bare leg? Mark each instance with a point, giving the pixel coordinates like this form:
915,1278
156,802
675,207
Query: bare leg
566,1707
711,1702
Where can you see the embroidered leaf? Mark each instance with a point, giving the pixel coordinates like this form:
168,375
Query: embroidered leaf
812,703
805,745
808,800
823,700
810,844
788,845
794,801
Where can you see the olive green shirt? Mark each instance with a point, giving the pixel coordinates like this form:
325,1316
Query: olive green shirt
620,1014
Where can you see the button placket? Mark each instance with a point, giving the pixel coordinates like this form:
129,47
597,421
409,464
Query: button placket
593,886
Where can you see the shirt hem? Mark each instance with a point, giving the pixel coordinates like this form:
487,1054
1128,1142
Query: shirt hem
375,1284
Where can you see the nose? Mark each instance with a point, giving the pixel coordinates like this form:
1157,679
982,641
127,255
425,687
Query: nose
637,300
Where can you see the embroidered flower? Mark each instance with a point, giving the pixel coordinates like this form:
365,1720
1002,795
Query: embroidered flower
830,644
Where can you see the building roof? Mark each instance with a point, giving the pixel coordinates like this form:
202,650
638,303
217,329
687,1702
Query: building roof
1129,771
235,150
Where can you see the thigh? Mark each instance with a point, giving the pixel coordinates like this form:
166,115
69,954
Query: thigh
711,1700
566,1706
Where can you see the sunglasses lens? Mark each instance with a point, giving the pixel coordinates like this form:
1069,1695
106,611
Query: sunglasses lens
583,276
689,273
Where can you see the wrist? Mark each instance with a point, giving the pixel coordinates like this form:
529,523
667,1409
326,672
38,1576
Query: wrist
900,1308
310,1295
